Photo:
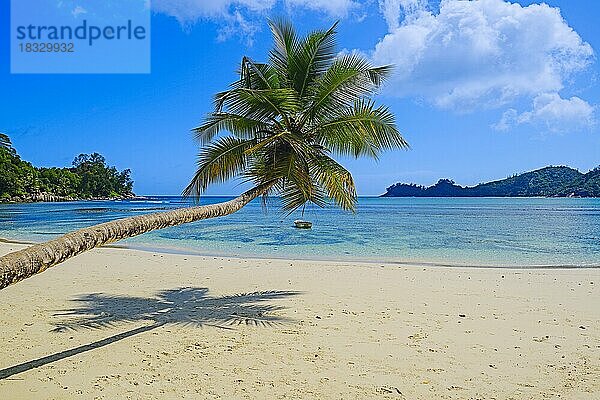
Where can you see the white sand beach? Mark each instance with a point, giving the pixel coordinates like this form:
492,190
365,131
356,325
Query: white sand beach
126,324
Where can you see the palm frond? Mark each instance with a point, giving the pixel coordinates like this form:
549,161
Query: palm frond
288,164
299,191
349,79
336,180
219,162
361,130
238,125
258,76
261,105
285,43
314,55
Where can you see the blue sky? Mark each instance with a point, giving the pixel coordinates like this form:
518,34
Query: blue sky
482,89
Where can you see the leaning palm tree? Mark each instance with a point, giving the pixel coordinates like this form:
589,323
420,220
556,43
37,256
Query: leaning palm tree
277,127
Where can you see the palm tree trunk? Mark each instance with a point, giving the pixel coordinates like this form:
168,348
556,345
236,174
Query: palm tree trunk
22,264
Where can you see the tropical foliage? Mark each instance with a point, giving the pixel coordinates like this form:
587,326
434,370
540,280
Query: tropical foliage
89,177
4,141
547,182
287,118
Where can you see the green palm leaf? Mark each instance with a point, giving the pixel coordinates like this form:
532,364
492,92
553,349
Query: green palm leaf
285,43
361,130
262,105
238,125
350,78
257,76
315,54
219,162
336,180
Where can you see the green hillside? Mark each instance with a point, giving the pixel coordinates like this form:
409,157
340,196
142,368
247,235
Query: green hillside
545,182
89,177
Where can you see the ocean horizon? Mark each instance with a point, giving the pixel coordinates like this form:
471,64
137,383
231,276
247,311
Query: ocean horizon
478,232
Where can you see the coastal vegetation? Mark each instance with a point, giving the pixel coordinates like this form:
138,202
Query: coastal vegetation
278,128
89,177
4,141
545,182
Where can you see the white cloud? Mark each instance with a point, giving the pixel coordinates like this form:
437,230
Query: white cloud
237,24
394,10
240,17
78,11
189,11
553,112
478,54
233,16
334,8
550,107
509,118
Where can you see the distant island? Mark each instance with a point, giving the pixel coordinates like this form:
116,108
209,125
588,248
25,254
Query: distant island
88,178
545,182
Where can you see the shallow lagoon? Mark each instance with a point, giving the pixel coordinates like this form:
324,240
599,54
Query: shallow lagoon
464,231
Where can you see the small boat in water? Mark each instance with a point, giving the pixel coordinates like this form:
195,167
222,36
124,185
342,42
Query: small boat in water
302,224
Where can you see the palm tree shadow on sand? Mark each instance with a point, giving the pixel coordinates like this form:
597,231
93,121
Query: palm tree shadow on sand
182,306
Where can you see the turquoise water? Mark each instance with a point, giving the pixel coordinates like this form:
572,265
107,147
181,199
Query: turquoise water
463,231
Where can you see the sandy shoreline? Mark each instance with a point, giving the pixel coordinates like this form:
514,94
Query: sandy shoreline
181,251
115,323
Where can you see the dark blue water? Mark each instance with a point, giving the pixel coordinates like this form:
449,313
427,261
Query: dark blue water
465,231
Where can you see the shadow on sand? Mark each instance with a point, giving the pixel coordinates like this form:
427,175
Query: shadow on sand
183,306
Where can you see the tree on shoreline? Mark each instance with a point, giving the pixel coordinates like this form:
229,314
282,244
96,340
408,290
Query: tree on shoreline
90,177
5,142
285,120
